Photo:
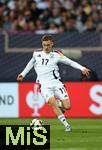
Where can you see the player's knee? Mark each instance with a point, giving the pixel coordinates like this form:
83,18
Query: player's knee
67,106
52,102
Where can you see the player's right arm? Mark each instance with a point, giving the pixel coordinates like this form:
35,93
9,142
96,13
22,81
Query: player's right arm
26,70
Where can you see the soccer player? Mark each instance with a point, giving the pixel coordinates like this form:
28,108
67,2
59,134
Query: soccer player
45,62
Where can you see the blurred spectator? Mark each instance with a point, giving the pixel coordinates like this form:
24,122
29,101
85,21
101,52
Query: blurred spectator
7,25
70,25
89,25
99,28
52,28
42,16
35,11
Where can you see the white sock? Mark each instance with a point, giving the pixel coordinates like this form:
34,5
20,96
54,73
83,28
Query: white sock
63,120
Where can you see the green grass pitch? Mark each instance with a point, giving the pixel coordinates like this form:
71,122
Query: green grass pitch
86,134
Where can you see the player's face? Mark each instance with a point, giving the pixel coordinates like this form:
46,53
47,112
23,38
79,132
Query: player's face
47,46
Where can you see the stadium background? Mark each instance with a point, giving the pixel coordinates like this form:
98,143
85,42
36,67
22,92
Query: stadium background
76,28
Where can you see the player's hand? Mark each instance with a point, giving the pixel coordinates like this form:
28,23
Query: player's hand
86,72
20,77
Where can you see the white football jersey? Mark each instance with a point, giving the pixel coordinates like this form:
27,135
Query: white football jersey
46,66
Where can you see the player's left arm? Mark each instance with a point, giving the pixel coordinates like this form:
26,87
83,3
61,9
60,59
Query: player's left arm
63,59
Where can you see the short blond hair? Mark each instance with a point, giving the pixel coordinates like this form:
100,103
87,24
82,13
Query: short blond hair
47,38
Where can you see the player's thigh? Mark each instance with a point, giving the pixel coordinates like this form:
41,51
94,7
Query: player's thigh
52,101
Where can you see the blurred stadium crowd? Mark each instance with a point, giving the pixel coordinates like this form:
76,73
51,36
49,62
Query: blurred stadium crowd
51,16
